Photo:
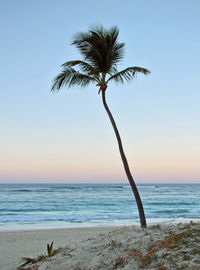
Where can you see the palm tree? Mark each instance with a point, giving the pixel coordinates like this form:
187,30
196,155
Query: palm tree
101,53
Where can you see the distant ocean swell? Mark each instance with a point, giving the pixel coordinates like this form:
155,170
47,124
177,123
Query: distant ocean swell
66,205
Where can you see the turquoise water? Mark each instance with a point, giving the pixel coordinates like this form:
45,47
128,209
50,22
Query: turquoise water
32,206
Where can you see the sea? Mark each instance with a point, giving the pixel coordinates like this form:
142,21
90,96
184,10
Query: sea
46,206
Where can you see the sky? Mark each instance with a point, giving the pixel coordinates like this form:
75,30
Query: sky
66,136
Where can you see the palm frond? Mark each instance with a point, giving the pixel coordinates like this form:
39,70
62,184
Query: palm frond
70,77
86,43
84,66
113,70
128,74
115,49
100,47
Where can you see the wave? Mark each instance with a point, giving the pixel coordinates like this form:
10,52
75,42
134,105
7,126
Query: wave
28,218
61,188
67,218
171,204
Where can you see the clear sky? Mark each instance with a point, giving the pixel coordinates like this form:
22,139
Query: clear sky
66,136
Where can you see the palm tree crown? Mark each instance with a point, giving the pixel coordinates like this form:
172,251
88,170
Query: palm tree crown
101,53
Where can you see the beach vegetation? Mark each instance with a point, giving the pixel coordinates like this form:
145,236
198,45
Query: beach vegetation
40,258
134,253
119,262
101,54
195,251
172,243
50,249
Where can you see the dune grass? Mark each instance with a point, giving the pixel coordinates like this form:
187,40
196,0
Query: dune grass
50,253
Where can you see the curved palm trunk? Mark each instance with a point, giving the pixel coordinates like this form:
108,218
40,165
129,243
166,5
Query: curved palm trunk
126,166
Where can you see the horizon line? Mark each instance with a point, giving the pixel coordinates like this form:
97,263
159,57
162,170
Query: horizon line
103,183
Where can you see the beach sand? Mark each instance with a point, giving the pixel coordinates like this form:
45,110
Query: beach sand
159,247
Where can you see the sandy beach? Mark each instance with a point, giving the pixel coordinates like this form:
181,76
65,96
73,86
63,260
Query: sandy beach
17,244
159,247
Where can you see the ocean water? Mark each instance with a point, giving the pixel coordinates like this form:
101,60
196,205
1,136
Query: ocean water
37,206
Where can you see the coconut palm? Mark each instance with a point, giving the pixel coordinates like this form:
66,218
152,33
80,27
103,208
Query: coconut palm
101,53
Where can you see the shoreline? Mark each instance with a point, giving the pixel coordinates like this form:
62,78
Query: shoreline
64,228
45,227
